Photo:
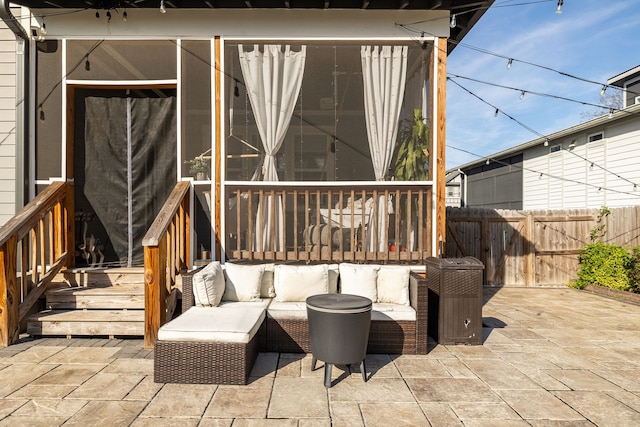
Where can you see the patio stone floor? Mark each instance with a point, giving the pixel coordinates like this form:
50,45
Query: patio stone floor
551,357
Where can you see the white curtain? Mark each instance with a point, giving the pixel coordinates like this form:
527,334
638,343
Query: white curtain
273,78
384,74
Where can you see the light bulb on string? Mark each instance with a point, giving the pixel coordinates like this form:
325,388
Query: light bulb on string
522,95
610,112
488,162
603,90
496,113
108,16
162,8
41,112
43,28
559,8
546,142
453,22
87,64
236,91
124,15
509,63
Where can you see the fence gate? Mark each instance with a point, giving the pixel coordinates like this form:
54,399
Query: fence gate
533,248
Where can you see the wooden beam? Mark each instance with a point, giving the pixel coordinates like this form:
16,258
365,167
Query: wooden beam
441,209
155,291
217,212
9,293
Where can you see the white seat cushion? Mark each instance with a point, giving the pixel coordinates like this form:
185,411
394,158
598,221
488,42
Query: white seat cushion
381,311
262,303
214,324
287,310
298,310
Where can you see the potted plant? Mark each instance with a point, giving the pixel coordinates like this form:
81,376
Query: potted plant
411,164
199,168
412,156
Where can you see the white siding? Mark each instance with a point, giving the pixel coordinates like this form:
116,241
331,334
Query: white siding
7,123
576,183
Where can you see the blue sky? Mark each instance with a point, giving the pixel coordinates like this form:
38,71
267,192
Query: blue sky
592,39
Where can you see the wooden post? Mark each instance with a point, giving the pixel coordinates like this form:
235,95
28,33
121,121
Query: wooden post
528,235
155,290
441,209
70,224
9,294
218,153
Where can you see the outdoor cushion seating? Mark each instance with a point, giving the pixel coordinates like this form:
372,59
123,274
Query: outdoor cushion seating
219,344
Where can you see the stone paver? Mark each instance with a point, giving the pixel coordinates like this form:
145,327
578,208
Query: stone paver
550,358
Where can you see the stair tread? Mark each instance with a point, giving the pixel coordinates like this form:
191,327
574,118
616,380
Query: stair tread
88,316
93,291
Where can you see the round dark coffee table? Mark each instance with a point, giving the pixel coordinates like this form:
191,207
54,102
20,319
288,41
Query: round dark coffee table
338,331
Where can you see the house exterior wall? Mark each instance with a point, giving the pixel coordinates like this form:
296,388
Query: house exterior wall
497,185
587,175
8,123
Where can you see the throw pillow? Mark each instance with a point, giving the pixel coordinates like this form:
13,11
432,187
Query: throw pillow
359,279
208,285
242,282
393,284
298,282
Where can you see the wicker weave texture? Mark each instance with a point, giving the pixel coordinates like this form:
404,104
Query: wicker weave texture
188,362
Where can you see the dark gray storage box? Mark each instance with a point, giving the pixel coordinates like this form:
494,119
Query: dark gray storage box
455,300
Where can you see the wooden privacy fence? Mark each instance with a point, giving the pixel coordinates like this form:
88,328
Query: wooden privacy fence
536,247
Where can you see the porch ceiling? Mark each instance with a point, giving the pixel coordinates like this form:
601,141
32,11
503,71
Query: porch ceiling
467,12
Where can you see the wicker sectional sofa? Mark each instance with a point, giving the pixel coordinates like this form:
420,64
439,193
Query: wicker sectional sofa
219,344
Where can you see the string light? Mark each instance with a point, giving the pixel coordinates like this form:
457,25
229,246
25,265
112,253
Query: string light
603,90
547,95
496,113
43,28
162,8
610,112
453,22
87,64
522,95
108,16
546,142
559,178
559,8
97,14
124,15
408,28
41,112
488,162
236,91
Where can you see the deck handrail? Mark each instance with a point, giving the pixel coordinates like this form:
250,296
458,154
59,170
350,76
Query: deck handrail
166,252
331,222
35,243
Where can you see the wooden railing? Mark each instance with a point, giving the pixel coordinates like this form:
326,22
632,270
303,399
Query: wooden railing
377,222
33,249
166,253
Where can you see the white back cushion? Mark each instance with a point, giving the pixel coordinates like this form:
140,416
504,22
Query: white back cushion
208,285
242,282
359,279
298,282
393,284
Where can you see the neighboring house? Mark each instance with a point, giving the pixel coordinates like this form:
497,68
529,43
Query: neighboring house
454,188
589,165
8,124
124,109
630,82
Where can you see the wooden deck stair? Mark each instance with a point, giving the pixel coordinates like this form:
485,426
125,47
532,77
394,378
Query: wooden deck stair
93,303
